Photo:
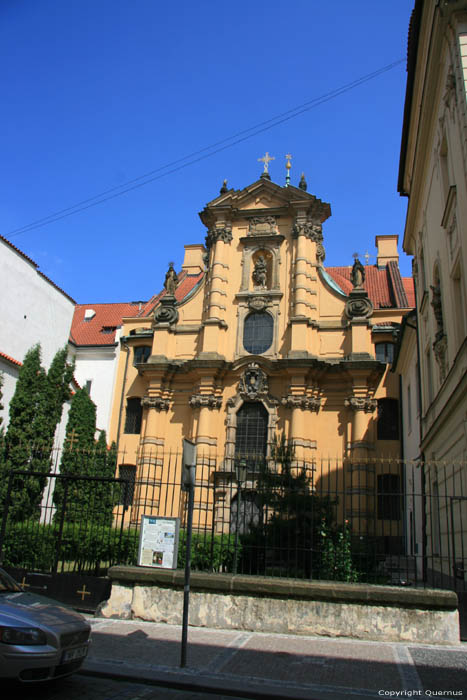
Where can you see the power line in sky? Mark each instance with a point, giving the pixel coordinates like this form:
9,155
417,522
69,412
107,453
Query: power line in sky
201,154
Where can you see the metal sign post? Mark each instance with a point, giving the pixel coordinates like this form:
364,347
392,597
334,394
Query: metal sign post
188,485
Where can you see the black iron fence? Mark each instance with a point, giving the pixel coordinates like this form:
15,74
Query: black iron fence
378,521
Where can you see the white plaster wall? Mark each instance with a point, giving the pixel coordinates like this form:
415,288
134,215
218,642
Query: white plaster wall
98,365
32,310
10,375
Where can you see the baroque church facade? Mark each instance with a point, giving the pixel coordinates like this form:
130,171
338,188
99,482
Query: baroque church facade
256,339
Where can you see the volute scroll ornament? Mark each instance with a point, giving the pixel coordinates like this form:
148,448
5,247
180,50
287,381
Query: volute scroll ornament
361,403
309,229
358,305
219,233
306,403
156,402
205,400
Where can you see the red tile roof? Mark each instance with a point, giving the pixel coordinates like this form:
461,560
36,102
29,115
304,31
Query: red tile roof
110,316
106,315
11,359
378,284
409,290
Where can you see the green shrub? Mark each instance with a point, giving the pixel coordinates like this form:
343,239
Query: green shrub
208,552
33,546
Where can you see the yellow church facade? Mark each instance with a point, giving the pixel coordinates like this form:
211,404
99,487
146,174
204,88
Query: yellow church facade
256,339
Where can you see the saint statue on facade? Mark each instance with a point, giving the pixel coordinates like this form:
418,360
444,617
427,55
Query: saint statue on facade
171,280
357,276
260,273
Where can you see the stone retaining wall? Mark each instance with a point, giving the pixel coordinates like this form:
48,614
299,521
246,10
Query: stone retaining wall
286,606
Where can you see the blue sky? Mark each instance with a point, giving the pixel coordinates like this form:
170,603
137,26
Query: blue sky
97,93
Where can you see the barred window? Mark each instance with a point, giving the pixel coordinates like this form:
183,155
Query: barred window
141,354
388,419
127,472
389,497
258,332
252,432
134,414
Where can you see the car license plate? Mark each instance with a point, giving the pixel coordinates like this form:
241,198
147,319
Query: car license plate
73,654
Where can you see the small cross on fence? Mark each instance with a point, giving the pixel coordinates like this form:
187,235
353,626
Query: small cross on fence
83,592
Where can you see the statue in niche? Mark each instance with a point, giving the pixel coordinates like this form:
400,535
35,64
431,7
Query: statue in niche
357,276
260,273
171,280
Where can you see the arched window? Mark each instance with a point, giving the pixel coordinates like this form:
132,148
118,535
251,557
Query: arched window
134,414
388,419
252,432
258,332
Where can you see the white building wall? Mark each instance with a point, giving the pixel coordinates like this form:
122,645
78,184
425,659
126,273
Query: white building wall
32,310
98,365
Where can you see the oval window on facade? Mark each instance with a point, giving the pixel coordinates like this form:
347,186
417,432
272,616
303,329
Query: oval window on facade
258,332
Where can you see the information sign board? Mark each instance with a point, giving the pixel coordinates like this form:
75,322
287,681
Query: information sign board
158,542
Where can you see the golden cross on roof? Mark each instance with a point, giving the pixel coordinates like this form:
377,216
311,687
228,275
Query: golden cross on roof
288,158
265,159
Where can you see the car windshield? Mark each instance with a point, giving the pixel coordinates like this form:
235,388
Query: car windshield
7,584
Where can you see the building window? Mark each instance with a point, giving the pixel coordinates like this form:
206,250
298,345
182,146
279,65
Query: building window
128,473
258,332
108,329
252,433
134,413
88,386
384,352
141,354
388,419
389,497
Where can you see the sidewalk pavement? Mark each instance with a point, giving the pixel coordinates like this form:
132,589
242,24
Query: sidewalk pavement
274,666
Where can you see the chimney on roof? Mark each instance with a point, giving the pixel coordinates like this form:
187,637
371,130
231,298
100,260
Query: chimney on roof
193,263
387,250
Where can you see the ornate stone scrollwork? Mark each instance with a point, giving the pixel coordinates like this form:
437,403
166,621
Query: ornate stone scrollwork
205,400
308,229
320,253
258,303
156,402
358,305
254,383
440,347
361,403
166,311
262,226
222,233
307,403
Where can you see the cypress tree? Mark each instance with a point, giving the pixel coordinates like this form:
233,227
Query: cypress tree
26,437
2,430
105,494
56,392
77,458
